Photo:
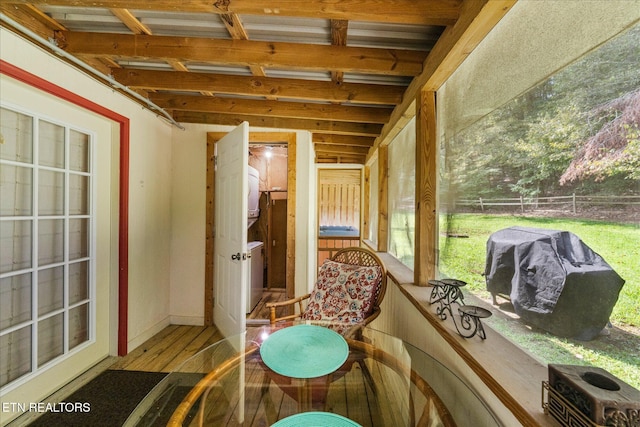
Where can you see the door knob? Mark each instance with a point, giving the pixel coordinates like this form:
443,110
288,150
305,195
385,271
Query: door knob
235,256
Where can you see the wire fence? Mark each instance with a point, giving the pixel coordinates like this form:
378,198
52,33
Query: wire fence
573,202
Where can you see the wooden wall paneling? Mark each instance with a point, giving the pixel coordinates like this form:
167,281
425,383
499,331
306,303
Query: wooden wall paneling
268,244
339,196
350,199
364,220
330,206
426,189
209,268
383,208
277,243
291,215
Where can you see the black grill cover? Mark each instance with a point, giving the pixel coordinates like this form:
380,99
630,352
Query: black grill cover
555,281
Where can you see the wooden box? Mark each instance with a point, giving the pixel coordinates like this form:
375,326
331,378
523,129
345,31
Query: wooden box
602,397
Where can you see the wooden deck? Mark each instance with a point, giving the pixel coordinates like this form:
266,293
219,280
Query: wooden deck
175,344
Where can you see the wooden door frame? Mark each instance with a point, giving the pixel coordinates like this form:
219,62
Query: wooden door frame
269,244
209,270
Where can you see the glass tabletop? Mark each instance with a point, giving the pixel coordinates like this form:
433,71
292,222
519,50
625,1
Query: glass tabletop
379,381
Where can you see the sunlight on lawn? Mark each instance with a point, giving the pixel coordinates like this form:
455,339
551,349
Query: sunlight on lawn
619,244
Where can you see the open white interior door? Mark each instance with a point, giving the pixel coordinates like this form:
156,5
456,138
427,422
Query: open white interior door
230,248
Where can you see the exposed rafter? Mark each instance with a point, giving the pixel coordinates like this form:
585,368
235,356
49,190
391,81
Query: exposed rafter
348,71
294,56
311,90
298,110
338,38
324,126
432,12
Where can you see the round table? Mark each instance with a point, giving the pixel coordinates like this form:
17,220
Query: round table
383,381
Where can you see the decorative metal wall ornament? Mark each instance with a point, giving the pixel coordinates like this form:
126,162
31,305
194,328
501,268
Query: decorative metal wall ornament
446,293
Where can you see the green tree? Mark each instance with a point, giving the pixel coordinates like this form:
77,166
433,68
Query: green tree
547,150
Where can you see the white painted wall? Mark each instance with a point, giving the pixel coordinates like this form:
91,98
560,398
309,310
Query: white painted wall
149,226
306,220
188,209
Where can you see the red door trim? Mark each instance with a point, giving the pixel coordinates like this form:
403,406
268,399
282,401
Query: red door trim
123,232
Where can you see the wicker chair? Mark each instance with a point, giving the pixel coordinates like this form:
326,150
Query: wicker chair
352,256
355,257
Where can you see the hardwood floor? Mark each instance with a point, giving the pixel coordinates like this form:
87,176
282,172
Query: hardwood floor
176,343
261,312
169,348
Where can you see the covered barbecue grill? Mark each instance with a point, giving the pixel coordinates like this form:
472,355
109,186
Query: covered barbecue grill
555,281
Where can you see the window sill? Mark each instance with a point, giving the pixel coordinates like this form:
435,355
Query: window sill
510,373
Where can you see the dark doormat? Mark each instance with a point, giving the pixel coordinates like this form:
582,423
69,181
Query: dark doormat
106,401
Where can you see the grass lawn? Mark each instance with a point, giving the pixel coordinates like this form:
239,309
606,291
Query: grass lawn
618,244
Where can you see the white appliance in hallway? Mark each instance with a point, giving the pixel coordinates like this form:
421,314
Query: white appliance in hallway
254,196
255,274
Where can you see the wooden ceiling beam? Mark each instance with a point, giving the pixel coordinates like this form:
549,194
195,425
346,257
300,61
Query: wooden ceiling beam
325,126
339,29
234,26
131,21
268,137
238,32
299,110
101,64
359,141
138,27
432,12
32,18
281,55
260,86
340,149
333,158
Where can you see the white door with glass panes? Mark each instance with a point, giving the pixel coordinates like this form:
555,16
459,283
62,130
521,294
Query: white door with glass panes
55,194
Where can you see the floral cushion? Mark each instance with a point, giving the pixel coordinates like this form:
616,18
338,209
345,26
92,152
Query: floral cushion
343,293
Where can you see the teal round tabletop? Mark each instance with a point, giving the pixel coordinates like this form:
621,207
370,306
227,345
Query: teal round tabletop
316,419
304,351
